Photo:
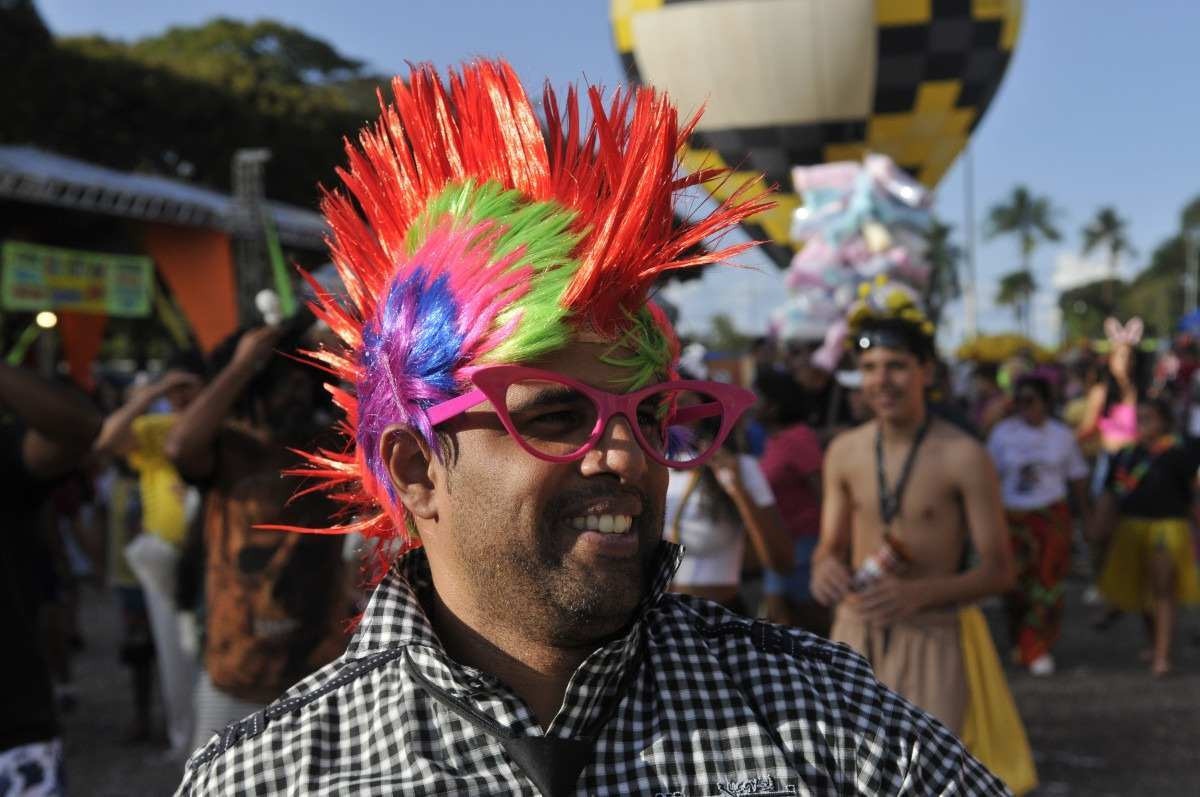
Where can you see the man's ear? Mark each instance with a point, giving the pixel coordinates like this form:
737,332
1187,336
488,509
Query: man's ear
409,463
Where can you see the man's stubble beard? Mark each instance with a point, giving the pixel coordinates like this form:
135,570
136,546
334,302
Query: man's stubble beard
531,586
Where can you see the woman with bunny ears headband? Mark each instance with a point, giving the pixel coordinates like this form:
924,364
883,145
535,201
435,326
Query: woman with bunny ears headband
1111,410
1111,415
1112,405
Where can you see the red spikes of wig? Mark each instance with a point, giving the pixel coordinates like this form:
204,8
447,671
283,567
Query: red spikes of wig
618,171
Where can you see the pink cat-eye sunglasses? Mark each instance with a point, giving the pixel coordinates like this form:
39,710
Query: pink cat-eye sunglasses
679,424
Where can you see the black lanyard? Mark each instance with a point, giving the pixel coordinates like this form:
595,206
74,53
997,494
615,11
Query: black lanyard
889,501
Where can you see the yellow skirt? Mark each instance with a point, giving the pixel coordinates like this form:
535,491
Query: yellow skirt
992,728
1124,582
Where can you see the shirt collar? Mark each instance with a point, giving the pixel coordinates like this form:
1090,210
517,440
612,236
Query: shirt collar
395,617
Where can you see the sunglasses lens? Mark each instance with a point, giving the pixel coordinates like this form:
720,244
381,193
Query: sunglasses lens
683,425
555,419
551,417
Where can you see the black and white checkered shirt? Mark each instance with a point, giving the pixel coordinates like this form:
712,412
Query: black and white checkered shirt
692,701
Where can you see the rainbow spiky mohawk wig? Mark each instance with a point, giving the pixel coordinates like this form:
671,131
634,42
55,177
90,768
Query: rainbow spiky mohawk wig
469,236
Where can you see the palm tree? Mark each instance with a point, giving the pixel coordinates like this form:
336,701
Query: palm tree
1016,291
1031,219
1110,231
944,257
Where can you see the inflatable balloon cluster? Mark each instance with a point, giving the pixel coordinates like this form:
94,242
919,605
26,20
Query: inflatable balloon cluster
861,225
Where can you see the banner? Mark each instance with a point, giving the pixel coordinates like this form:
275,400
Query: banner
48,278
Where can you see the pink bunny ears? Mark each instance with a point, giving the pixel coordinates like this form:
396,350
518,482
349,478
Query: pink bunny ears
1129,335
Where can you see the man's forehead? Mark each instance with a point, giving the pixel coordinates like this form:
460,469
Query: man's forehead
880,354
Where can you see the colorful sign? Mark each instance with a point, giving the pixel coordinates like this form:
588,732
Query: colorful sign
48,278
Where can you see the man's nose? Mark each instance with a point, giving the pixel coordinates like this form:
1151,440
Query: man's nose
617,452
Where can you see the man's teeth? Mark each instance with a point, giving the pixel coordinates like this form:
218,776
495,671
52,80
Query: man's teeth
605,524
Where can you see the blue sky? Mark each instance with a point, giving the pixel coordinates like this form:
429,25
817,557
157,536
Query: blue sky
1099,106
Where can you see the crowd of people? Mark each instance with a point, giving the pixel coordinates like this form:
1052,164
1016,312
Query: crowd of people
160,496
531,625
219,616
866,505
1093,453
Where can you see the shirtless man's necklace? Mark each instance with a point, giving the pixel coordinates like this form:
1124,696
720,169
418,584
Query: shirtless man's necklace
889,500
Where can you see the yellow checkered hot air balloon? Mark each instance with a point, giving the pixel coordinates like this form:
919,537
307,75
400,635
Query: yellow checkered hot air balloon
797,82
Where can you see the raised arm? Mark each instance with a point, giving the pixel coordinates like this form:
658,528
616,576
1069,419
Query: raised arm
190,444
116,435
59,425
1091,413
747,487
830,570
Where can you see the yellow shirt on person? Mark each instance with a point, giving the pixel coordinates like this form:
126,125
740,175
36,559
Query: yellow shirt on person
162,489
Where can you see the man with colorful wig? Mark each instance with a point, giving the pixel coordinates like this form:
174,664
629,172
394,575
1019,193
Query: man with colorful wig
512,409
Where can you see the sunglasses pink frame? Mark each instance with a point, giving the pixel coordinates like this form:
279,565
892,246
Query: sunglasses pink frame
491,383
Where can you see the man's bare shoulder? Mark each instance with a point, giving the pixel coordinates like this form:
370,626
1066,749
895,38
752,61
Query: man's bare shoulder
958,451
850,445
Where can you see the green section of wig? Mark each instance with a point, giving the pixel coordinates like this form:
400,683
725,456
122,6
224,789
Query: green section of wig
542,233
651,352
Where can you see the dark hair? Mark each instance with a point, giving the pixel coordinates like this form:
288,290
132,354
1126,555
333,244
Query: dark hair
715,503
1162,408
1038,385
987,371
1140,369
268,375
188,360
908,335
1087,370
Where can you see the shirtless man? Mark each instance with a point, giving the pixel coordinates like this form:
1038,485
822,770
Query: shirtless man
907,624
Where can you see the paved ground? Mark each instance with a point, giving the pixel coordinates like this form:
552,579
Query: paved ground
99,761
1101,726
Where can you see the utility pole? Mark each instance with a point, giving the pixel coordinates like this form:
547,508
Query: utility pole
1192,263
249,243
971,294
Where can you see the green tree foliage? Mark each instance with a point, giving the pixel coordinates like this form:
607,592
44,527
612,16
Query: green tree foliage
183,102
22,30
725,336
1027,217
1110,232
1016,291
1030,219
1156,294
1085,307
1189,218
944,258
245,56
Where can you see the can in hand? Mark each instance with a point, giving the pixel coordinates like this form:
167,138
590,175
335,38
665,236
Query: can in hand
891,559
